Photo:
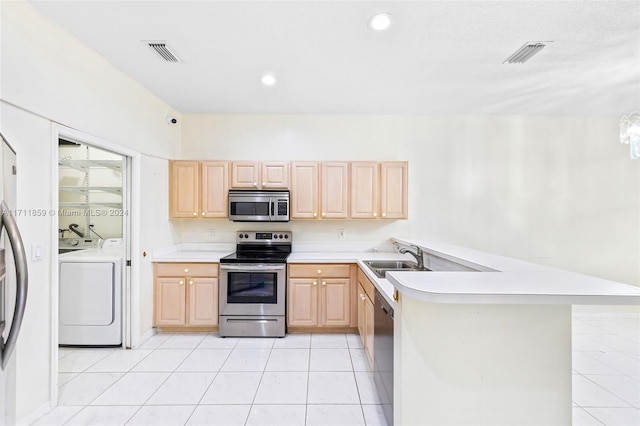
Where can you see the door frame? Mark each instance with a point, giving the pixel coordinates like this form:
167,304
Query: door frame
131,234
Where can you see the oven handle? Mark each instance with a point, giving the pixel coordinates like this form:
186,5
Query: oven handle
253,267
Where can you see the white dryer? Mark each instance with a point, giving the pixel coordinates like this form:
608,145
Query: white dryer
90,309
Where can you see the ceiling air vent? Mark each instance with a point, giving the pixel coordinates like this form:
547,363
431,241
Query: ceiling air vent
525,53
163,50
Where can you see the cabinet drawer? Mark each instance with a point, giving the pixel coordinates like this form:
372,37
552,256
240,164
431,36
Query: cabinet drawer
186,269
326,270
366,284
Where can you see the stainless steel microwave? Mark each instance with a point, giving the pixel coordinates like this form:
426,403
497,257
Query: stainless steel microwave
258,206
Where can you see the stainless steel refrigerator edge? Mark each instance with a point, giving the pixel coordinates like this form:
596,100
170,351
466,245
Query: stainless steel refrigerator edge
13,284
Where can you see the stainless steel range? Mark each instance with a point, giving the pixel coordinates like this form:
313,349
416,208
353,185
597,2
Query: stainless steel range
253,283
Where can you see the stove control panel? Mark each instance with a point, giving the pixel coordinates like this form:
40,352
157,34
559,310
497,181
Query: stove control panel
263,237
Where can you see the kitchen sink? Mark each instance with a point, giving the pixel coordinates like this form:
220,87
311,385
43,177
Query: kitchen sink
391,264
381,267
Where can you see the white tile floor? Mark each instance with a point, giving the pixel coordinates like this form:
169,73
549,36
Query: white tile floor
320,379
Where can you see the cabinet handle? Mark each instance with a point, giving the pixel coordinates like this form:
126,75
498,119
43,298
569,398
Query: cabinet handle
362,297
315,283
323,214
384,214
375,214
263,184
255,184
195,213
190,282
186,270
315,215
319,271
324,283
181,282
203,213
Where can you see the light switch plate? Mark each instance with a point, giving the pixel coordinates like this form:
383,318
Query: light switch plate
36,252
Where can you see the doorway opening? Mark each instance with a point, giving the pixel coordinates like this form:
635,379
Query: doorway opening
93,224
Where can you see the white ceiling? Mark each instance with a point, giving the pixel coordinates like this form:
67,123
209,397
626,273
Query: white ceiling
438,57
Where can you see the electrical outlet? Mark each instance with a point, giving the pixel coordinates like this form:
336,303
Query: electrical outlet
341,234
211,233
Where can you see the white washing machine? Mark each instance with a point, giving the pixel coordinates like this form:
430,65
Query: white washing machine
90,311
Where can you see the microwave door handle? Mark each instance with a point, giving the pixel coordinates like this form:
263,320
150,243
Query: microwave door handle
272,203
22,281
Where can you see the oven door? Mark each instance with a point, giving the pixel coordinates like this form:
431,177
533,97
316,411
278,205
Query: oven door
252,289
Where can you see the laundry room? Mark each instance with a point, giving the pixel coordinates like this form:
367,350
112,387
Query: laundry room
90,193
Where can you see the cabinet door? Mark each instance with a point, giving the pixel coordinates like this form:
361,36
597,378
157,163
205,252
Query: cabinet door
275,175
184,189
365,187
361,314
302,306
368,329
245,174
304,190
393,194
335,302
335,191
215,189
203,301
170,298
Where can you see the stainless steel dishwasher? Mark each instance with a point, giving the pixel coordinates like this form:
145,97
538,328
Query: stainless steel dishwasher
383,354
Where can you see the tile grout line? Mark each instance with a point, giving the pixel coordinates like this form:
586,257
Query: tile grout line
259,383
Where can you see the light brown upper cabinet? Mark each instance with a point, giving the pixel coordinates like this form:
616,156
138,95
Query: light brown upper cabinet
275,175
334,189
365,190
394,190
319,190
256,175
198,189
304,190
379,190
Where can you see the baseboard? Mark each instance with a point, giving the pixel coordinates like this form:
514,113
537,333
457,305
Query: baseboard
146,336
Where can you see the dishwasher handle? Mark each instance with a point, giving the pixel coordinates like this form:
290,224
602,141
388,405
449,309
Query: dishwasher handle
384,305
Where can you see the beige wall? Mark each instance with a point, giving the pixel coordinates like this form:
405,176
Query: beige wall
47,77
559,191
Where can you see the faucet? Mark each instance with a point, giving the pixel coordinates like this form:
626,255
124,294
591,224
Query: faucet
72,228
417,254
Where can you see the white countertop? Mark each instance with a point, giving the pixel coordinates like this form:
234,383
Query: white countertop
510,281
526,287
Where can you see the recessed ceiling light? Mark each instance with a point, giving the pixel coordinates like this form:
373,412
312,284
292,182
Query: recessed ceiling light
380,21
268,79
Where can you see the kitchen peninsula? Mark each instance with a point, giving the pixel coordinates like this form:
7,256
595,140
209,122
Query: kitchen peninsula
489,347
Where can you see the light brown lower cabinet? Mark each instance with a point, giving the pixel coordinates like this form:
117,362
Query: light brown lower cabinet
366,296
185,294
319,295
